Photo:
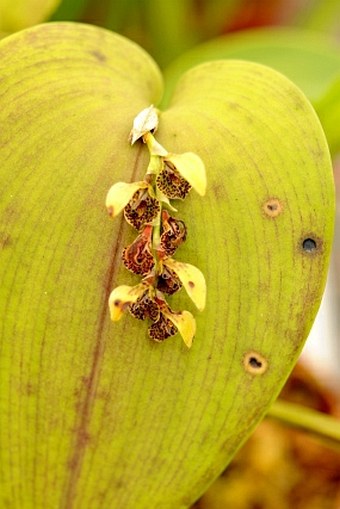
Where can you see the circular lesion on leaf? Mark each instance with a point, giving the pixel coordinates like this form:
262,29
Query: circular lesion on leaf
310,244
272,207
255,363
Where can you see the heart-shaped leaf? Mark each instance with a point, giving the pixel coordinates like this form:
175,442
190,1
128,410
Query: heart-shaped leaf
93,413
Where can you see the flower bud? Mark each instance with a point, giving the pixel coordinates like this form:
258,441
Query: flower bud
144,122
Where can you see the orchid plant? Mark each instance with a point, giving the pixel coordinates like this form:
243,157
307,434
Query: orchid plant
94,414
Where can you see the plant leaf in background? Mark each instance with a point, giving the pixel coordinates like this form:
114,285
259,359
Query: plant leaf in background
319,15
69,10
93,413
18,14
328,109
309,59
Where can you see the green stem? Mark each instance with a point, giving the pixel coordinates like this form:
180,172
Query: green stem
156,232
322,425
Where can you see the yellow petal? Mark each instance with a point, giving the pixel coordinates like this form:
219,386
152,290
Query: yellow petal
155,148
185,323
120,194
121,297
144,122
192,279
192,168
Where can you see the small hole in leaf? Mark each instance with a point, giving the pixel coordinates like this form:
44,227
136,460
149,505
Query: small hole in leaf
309,245
255,363
272,207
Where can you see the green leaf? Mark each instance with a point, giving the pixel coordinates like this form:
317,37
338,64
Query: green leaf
320,15
310,59
18,14
167,27
328,108
70,10
93,413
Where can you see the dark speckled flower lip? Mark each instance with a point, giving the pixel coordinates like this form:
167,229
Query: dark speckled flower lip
144,205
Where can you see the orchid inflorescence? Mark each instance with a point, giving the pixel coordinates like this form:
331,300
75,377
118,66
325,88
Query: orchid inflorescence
146,207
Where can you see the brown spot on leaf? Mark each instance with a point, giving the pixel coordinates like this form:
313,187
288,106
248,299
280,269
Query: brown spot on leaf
30,390
272,207
254,363
99,56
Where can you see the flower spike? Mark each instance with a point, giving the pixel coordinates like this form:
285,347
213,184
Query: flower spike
145,205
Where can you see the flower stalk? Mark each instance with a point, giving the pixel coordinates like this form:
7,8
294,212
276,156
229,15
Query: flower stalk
147,208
